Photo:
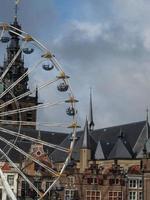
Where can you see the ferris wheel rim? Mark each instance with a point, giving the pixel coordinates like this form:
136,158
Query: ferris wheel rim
48,55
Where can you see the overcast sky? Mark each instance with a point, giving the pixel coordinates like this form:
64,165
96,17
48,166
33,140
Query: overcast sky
103,44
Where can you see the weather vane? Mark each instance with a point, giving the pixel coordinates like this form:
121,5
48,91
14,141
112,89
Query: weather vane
16,7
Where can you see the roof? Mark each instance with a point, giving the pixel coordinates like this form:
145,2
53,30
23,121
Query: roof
142,139
99,154
51,137
119,150
85,137
104,143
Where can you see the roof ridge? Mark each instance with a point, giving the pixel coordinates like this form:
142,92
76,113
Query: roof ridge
115,126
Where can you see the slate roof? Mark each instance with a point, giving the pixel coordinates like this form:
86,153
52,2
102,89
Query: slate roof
99,154
104,143
142,139
110,134
112,147
58,156
120,150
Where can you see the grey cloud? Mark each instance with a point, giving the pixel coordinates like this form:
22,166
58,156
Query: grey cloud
116,67
115,62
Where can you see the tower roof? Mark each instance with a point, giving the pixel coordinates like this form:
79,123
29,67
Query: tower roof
86,138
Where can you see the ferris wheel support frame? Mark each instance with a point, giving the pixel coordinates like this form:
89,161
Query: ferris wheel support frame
47,55
7,186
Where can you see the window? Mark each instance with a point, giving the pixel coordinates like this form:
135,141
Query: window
140,195
115,195
71,180
132,195
37,184
117,181
48,184
92,181
29,116
135,183
10,179
70,194
132,183
140,184
93,195
9,117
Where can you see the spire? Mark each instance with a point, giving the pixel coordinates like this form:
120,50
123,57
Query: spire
18,68
147,113
16,8
36,95
86,141
39,135
121,134
15,23
91,122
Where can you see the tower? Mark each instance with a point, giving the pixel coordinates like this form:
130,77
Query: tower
17,70
85,150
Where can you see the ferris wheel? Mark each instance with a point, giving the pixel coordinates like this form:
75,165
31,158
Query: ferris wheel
18,105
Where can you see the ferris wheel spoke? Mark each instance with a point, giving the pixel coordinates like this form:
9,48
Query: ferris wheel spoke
12,61
50,56
27,93
20,172
29,156
17,30
20,78
13,133
16,33
2,33
55,62
30,123
71,91
50,187
31,108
